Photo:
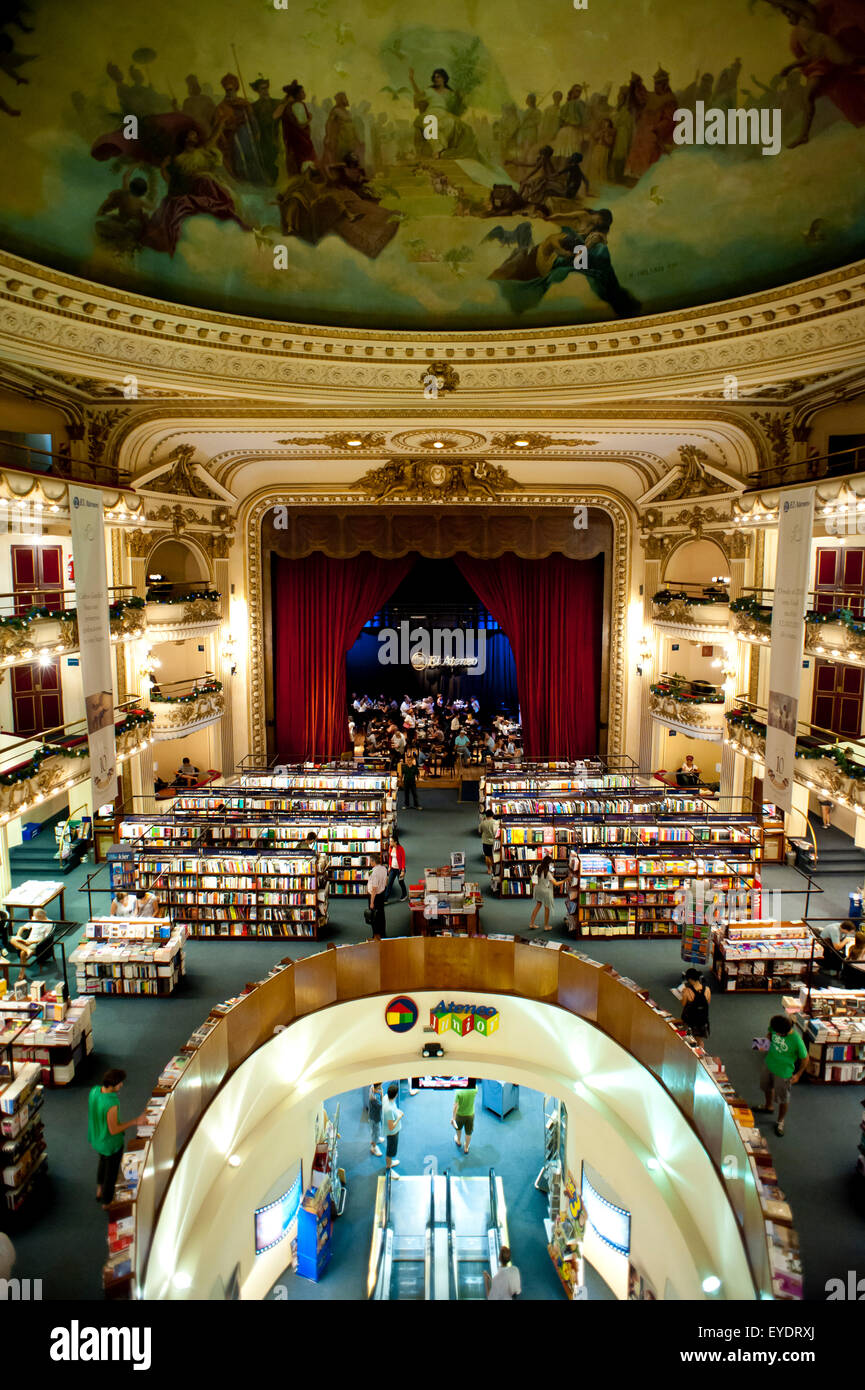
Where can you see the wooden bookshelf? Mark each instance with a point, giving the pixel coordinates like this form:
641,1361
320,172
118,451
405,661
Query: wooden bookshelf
129,956
23,1158
832,1024
228,897
764,957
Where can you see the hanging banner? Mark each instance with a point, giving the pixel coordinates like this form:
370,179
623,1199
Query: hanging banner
792,573
94,637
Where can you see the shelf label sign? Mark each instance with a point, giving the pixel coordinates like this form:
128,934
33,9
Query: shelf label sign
87,525
795,528
464,1019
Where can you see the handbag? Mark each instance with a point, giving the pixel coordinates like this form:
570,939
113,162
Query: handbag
367,916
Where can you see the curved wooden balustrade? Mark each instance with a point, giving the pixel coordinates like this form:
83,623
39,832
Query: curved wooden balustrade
403,965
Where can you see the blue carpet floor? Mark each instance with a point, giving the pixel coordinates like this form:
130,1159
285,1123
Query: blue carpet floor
63,1241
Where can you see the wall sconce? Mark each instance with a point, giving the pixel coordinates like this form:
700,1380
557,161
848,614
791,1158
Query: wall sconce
644,654
227,651
147,665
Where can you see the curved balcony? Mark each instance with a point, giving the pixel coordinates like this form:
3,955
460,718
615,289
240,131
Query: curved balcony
184,706
34,769
45,623
175,611
690,708
822,763
695,611
834,624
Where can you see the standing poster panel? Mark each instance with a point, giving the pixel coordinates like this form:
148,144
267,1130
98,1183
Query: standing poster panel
94,637
795,526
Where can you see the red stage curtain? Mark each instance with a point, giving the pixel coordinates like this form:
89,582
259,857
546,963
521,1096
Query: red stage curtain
319,607
552,611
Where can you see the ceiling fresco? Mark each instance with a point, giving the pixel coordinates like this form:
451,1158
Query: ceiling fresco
456,165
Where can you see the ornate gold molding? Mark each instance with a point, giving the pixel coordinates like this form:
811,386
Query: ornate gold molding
58,322
514,530
438,480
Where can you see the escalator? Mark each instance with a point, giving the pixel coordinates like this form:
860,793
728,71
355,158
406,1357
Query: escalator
434,1238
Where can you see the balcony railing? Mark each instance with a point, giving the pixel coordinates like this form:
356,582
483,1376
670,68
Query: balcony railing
834,622
36,768
692,605
23,458
695,707
840,463
44,622
824,761
179,607
180,707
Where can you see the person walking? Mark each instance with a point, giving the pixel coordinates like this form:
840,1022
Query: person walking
374,1105
542,891
696,998
463,1117
392,1116
505,1283
782,1067
396,868
489,829
376,885
409,770
105,1132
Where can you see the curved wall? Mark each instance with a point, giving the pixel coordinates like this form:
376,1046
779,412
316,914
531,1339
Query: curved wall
683,1224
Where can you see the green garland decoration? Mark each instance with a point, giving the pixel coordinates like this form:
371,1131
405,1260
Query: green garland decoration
685,697
134,719
709,595
741,718
185,699
194,594
21,621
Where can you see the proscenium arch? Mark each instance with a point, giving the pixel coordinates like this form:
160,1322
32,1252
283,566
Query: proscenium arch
568,1026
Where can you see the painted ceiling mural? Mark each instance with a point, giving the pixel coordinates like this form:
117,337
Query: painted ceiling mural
461,164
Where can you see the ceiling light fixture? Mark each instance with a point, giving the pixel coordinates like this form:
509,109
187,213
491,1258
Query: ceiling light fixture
354,443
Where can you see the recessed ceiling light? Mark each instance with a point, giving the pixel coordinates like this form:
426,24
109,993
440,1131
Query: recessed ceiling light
712,1284
182,1281
437,444
354,443
521,443
234,1161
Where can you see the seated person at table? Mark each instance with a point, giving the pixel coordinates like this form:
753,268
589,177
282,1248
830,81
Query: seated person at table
186,775
856,952
688,775
462,747
839,934
123,904
146,903
37,929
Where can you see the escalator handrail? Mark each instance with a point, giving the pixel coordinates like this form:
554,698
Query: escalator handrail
448,1209
453,1274
494,1201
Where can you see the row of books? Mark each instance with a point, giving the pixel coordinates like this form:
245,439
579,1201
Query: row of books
120,966
22,1140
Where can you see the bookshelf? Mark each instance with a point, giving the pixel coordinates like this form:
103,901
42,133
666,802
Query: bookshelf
129,955
223,897
304,780
754,957
22,1141
352,830
445,901
314,1231
638,889
47,1030
832,1024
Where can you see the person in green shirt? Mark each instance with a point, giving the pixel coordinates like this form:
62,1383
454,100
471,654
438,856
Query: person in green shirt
105,1132
782,1067
463,1117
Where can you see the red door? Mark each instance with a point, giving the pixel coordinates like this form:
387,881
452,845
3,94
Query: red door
837,701
37,582
840,580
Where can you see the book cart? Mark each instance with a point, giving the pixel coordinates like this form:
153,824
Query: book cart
764,957
832,1024
47,1029
130,955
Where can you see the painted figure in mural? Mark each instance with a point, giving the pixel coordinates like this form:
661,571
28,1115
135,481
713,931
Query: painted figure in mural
603,137
654,132
341,136
624,126
506,131
529,131
530,271
122,218
238,140
726,94
193,190
828,43
572,128
136,97
454,138
295,116
200,108
268,145
551,119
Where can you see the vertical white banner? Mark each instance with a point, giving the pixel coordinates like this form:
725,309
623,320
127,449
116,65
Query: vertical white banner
792,575
94,637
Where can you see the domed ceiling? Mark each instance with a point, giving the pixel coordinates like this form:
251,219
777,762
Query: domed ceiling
461,165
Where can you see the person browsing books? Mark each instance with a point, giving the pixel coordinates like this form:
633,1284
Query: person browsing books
783,1065
376,886
489,829
396,868
542,891
146,903
105,1132
123,904
696,998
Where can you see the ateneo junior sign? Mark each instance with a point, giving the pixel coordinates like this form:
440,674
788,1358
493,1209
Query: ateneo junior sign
464,1018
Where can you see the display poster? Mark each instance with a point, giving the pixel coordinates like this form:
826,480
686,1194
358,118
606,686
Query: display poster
792,572
94,637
